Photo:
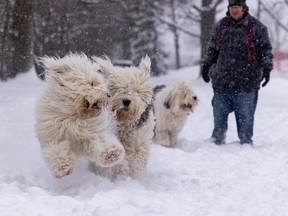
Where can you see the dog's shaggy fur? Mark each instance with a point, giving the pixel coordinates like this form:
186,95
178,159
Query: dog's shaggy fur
72,118
172,105
131,93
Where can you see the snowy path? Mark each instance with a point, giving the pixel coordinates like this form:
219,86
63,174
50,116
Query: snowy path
197,178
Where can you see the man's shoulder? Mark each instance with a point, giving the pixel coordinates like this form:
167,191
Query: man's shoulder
257,22
220,22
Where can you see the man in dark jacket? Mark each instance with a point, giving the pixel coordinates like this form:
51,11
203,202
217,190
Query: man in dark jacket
241,54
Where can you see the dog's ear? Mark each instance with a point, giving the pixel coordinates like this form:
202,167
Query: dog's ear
170,101
53,64
105,65
145,65
167,101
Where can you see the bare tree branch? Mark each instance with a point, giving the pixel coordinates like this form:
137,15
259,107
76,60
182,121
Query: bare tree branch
170,24
208,8
274,17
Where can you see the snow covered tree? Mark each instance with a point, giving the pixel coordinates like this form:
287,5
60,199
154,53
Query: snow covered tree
144,34
175,17
74,26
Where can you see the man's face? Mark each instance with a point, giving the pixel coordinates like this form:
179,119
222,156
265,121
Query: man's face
236,11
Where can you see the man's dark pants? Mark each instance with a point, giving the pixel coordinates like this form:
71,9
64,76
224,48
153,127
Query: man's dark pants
243,105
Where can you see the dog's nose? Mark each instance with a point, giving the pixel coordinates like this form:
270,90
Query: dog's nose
126,102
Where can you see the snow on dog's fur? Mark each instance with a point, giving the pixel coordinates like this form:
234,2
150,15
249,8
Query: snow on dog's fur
172,105
131,93
72,118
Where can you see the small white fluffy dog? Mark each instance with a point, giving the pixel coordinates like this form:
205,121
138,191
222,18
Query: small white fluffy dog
131,93
172,105
72,118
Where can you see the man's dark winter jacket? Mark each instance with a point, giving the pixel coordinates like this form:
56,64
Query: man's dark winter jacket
232,70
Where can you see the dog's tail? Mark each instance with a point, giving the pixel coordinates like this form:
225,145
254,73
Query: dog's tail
157,89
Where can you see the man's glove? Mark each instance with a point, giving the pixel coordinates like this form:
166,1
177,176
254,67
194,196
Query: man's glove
205,73
266,76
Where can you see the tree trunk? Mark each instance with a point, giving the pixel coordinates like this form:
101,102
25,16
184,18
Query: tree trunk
207,22
22,36
176,36
5,40
208,14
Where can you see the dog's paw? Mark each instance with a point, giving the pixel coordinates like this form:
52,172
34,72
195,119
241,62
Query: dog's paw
63,169
59,158
167,145
124,169
111,156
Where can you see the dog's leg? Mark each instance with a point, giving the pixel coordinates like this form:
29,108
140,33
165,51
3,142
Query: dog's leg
101,171
60,158
137,164
110,172
123,168
108,151
162,137
173,138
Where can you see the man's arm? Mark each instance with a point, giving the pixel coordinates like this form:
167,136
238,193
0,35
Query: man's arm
211,55
264,50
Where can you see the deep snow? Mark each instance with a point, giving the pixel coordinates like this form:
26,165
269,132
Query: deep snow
195,179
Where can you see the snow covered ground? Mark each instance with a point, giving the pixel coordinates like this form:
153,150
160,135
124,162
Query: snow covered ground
195,179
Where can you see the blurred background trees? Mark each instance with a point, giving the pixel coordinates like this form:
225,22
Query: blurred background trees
174,33
16,37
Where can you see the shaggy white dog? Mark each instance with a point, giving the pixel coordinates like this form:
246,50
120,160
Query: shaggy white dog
131,93
172,105
72,118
